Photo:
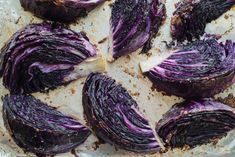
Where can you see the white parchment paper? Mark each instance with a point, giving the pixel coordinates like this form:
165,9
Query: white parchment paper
125,70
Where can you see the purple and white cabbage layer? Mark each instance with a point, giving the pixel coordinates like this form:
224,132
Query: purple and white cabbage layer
60,10
39,128
194,123
191,16
42,56
200,69
133,24
114,116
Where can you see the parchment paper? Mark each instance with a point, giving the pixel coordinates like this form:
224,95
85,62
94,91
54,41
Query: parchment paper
125,70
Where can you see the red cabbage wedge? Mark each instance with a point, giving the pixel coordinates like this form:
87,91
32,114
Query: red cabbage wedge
39,128
194,123
199,69
60,10
191,16
43,56
133,24
114,116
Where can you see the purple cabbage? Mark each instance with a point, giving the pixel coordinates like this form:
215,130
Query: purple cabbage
133,24
39,128
200,69
42,56
114,117
191,16
194,123
60,10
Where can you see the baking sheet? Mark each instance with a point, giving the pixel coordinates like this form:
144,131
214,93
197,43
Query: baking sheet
125,70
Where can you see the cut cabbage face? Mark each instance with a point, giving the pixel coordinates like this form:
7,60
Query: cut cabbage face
60,10
199,69
42,56
39,128
193,123
114,117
